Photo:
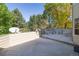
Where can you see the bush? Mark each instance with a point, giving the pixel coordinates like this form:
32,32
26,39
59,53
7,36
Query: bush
4,30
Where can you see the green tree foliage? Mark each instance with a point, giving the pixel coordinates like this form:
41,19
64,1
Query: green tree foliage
37,22
60,13
4,19
11,19
18,20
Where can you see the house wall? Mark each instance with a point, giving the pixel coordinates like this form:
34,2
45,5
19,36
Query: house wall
75,15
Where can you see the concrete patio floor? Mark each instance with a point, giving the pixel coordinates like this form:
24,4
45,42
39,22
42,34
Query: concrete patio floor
40,47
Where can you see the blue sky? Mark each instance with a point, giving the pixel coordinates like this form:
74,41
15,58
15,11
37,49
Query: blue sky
27,9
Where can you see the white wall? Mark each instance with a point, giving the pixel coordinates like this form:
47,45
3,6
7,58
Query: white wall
16,39
75,15
20,38
4,41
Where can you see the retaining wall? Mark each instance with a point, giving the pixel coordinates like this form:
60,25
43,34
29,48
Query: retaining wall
15,39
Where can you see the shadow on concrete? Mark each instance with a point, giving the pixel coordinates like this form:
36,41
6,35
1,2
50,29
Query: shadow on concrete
64,42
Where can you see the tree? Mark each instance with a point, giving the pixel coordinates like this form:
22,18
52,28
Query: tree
4,19
37,22
60,13
33,23
42,21
18,20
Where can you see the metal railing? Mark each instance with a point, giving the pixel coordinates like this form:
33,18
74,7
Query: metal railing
66,32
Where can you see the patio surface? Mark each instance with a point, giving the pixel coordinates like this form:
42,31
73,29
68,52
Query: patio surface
40,47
